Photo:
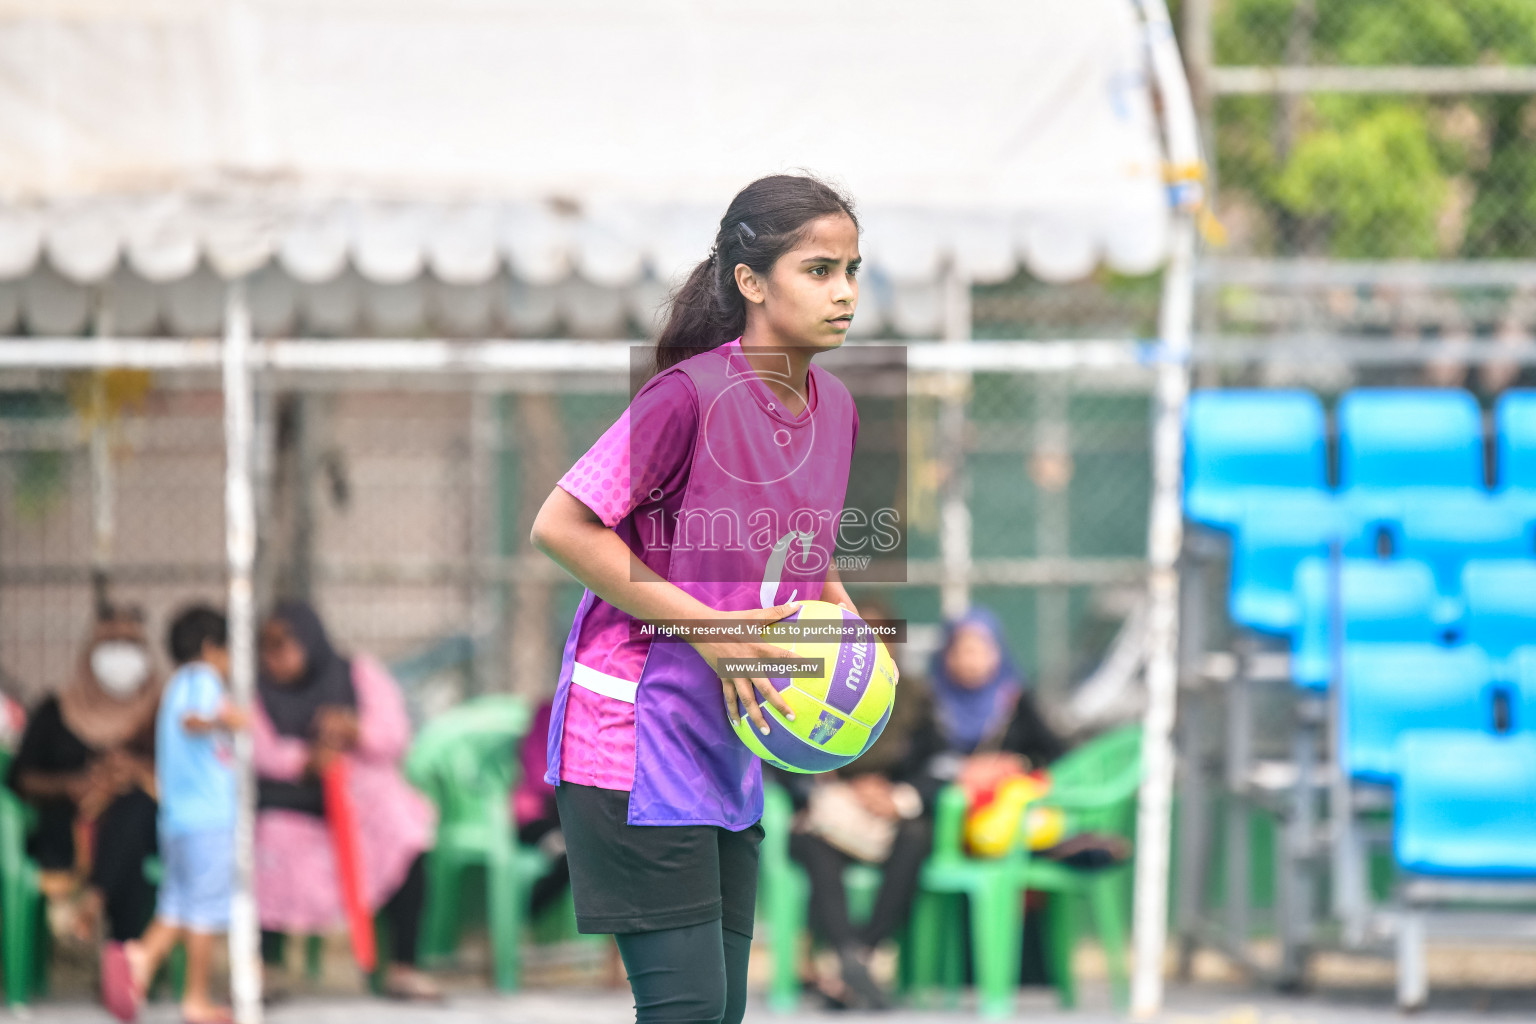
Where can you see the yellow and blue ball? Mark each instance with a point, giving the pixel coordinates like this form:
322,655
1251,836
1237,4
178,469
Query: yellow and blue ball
838,714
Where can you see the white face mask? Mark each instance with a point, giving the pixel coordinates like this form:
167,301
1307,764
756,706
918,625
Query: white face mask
120,666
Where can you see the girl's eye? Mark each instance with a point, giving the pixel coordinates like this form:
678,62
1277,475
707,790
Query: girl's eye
820,271
853,271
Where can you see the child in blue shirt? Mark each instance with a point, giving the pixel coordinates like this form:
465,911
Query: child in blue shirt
194,772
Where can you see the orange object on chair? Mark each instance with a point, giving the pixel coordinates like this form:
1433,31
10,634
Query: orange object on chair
341,818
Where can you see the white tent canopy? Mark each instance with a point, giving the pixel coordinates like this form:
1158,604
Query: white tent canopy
460,141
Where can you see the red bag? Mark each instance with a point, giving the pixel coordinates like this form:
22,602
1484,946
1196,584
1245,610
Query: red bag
341,817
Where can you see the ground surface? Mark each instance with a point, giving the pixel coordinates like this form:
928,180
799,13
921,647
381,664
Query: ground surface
1207,1005
582,985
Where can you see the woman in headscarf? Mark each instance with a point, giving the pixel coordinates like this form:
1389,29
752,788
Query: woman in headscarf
314,707
985,727
985,720
86,763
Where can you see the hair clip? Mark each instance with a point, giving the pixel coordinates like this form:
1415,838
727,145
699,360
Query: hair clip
748,234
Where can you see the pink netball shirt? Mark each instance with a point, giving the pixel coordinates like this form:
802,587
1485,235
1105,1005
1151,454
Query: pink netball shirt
636,473
657,433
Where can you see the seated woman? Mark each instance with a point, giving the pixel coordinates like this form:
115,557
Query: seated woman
869,812
86,763
314,706
984,726
984,717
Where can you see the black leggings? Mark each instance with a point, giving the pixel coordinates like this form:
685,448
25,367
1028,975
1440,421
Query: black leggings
402,911
691,975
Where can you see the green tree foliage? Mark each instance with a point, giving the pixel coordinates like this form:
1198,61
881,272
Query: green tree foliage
1375,180
1377,176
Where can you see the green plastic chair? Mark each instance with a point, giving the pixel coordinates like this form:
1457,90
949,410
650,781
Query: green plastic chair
25,941
783,892
24,938
993,888
465,760
1096,787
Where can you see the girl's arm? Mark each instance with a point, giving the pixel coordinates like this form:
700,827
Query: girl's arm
572,534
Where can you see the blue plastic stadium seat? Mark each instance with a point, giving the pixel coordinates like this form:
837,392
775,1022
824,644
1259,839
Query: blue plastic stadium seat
1515,421
1273,535
1449,529
1241,441
1500,601
1396,442
1392,688
1521,672
1466,804
1383,602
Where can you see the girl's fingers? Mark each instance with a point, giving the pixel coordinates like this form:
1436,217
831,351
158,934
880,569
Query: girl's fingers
749,700
780,611
728,690
768,690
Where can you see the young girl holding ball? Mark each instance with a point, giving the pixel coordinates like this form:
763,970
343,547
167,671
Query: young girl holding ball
714,500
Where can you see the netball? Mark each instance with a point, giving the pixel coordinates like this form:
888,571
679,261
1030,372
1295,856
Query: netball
838,714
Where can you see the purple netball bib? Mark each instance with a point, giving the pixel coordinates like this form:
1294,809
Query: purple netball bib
757,526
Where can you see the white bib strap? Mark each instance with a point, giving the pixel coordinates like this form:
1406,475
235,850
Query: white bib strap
603,683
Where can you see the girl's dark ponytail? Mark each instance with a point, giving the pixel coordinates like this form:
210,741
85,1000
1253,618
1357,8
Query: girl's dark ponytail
763,222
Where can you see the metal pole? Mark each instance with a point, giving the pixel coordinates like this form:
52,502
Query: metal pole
1052,478
954,511
240,539
1458,81
1199,58
1165,536
1165,531
482,484
103,484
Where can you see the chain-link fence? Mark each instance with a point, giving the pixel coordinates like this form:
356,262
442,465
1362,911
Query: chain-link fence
1374,164
1376,175
402,506
101,474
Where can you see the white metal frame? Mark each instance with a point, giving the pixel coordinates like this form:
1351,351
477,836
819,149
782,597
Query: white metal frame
1165,531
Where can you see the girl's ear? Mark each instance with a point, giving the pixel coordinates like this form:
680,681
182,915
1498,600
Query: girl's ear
750,284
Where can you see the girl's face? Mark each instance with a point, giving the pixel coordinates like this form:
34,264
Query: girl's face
808,299
282,657
972,658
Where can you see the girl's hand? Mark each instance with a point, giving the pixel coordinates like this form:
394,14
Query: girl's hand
735,688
